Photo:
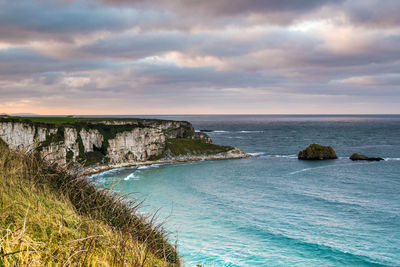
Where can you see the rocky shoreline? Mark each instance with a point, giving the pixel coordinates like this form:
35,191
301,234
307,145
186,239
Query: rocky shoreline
235,153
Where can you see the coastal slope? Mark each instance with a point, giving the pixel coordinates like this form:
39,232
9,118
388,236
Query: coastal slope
51,218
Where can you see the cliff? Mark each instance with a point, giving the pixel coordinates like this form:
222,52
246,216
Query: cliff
109,142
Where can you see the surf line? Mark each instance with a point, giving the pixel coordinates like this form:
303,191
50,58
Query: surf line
333,165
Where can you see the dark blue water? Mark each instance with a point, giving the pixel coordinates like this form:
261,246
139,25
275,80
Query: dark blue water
274,210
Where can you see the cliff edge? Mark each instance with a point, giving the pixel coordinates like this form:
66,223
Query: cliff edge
99,143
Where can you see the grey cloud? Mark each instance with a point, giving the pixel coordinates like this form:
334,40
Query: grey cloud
172,75
19,62
230,7
373,13
33,20
137,45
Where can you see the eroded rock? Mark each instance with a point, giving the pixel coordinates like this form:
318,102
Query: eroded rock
356,156
317,152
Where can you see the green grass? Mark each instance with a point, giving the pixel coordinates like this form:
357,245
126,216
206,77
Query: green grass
92,158
186,146
55,138
53,120
72,120
69,156
50,218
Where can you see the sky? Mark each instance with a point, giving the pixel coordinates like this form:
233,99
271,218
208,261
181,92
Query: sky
199,57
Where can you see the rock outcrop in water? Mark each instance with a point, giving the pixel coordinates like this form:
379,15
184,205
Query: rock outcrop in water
356,156
317,152
86,142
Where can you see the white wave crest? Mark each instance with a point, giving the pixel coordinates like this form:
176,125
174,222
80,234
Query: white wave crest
256,154
144,167
391,158
251,131
284,156
329,166
131,176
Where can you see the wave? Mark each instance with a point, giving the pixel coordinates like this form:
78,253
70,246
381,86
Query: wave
106,173
256,154
251,131
265,155
328,251
131,176
144,167
224,131
211,131
333,165
391,159
293,156
313,246
156,165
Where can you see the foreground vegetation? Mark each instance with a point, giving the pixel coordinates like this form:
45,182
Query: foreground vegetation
48,217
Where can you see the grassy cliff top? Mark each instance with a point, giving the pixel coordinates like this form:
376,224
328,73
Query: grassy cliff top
192,147
59,120
50,218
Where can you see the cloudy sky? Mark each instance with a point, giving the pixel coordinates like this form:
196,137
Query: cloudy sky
191,56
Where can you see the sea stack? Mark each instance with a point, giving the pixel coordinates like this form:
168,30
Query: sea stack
356,156
317,152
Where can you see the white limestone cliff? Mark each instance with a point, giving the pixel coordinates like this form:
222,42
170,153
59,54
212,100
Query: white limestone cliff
91,138
140,144
135,140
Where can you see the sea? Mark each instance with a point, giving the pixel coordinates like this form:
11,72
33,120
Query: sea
273,209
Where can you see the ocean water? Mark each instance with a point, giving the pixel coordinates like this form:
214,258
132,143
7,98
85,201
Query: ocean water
272,209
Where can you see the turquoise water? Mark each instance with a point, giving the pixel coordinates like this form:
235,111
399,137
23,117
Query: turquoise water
272,209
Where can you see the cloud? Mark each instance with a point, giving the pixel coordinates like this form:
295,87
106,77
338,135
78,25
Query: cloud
217,8
375,80
232,56
27,20
135,45
25,62
373,13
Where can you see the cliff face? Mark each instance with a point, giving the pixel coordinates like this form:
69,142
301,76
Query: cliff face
104,142
140,144
20,135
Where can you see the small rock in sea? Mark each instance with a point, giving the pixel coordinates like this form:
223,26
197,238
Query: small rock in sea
356,156
317,152
205,131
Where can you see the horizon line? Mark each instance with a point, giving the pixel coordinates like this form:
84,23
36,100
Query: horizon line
208,114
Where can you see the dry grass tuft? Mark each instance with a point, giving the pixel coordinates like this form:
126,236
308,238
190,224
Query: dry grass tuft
48,217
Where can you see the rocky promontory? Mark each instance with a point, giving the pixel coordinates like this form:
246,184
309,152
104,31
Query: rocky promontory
356,156
317,152
88,142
